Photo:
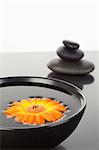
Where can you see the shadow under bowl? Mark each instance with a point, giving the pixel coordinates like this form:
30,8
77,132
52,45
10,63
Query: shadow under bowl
49,135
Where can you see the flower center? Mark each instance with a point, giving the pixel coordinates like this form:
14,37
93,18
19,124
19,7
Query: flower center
35,108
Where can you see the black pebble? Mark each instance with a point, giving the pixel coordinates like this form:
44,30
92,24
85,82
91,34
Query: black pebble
70,44
69,55
78,68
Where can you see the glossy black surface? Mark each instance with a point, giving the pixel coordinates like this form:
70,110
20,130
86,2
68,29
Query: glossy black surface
79,81
86,136
14,88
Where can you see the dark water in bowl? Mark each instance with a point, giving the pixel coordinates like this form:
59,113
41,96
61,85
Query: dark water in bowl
15,93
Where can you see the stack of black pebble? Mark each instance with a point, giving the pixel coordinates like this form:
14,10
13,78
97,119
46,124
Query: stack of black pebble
70,61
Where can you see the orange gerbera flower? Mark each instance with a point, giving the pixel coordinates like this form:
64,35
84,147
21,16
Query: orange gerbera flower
35,110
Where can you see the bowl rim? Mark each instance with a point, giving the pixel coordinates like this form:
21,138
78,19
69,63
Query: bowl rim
57,123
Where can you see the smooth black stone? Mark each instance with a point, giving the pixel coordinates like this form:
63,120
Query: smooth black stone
70,44
78,68
69,55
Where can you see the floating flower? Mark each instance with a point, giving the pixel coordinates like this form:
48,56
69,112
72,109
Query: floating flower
35,110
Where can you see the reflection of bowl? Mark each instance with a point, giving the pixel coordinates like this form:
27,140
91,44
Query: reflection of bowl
17,135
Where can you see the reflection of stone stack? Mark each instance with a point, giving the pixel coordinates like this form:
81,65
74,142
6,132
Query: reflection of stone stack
71,60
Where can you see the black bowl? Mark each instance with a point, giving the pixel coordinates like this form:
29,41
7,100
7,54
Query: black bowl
17,135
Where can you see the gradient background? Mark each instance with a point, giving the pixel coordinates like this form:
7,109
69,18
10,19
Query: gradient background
41,25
